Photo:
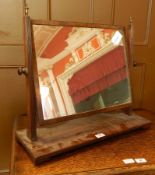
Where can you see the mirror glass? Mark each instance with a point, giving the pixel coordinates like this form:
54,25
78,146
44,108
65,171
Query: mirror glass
80,69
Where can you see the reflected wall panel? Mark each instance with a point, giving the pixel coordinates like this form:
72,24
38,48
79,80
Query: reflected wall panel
12,104
11,55
71,10
103,11
10,17
12,90
38,9
137,83
139,10
149,88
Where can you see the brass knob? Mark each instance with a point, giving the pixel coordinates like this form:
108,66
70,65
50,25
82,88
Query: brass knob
135,64
22,71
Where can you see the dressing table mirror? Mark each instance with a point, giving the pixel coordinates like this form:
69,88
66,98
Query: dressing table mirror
78,86
80,69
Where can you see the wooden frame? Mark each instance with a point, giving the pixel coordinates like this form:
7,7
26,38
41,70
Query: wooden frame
30,62
124,107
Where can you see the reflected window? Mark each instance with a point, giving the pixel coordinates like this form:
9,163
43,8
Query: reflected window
48,108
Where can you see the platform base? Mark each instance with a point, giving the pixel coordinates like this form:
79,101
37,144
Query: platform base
68,135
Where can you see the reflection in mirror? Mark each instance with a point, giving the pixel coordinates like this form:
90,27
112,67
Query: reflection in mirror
80,69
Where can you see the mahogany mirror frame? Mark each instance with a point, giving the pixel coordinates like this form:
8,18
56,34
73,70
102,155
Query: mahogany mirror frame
32,69
38,135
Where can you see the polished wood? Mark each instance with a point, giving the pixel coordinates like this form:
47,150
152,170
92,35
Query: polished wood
123,107
108,12
30,63
125,10
10,66
12,165
72,10
65,136
78,24
100,158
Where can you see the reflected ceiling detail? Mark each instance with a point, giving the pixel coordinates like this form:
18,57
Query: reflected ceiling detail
80,69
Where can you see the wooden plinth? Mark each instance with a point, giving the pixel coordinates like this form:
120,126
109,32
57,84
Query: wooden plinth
68,135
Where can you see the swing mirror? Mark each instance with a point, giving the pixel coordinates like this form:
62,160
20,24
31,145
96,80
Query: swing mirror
80,70
75,73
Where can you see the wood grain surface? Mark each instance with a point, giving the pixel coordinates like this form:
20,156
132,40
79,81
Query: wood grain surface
65,136
100,158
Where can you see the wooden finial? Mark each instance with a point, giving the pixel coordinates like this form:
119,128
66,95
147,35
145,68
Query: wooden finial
131,20
26,8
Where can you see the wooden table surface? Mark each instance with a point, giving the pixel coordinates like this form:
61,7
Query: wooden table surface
101,158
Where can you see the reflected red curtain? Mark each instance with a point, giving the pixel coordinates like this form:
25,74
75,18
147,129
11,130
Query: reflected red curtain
99,75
